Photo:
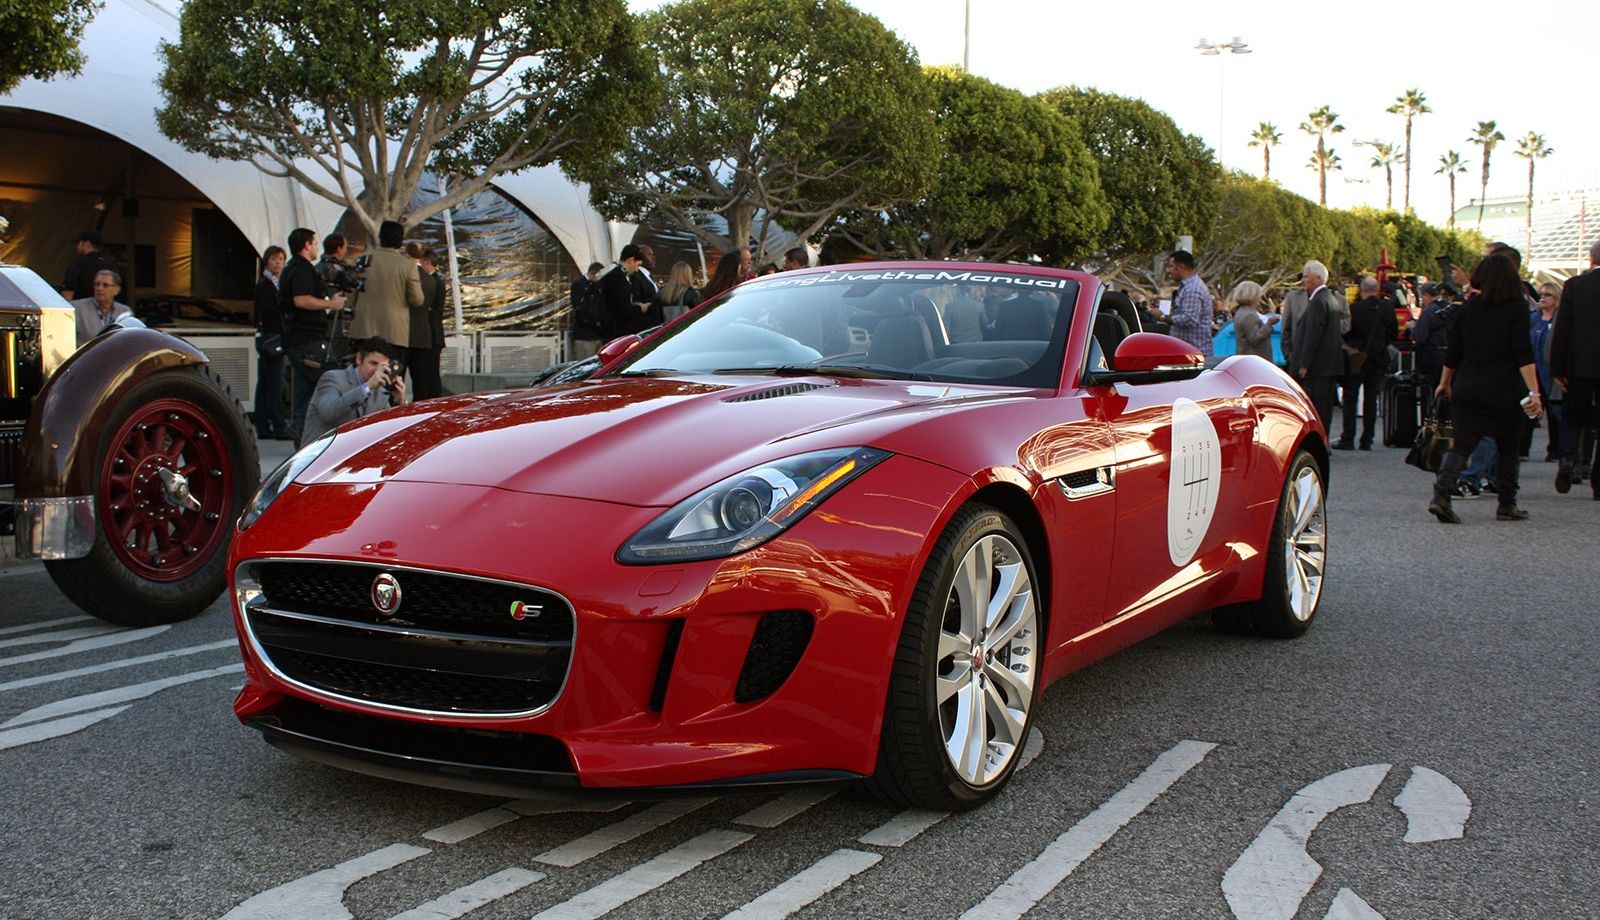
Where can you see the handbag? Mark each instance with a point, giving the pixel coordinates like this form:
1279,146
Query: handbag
1354,360
270,345
1434,439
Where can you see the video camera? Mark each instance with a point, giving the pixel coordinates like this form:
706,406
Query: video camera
1447,275
341,277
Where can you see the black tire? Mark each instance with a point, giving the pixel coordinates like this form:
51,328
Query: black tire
105,583
913,767
1278,613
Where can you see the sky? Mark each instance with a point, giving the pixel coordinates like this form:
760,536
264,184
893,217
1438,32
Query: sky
1356,57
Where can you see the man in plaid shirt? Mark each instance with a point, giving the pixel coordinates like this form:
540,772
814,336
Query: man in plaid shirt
1191,305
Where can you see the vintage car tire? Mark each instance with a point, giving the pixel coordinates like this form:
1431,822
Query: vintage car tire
916,764
120,583
1297,548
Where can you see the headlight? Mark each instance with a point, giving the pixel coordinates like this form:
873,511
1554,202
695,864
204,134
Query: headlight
274,484
745,511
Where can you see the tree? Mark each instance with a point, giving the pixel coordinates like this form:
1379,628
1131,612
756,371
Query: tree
1322,122
1385,158
1451,165
1263,233
788,110
1486,136
1013,178
1161,182
1266,137
357,101
1532,148
40,38
1409,104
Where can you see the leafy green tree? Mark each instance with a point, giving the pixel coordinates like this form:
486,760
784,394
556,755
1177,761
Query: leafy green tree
1013,178
1409,105
358,99
1321,123
1359,240
1263,233
1161,182
1385,158
40,38
775,110
1450,166
1487,137
1532,148
1266,137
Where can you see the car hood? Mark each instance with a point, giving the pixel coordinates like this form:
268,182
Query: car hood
639,441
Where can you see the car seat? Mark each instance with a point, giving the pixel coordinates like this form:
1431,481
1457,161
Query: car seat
901,341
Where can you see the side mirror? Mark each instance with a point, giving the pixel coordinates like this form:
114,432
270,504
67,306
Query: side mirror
616,348
1150,357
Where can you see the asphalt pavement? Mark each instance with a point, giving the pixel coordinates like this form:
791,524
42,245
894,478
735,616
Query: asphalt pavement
1427,750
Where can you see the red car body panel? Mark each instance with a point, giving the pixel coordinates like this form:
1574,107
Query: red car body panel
542,488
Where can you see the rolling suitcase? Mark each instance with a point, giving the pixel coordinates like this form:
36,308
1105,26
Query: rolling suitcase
1402,410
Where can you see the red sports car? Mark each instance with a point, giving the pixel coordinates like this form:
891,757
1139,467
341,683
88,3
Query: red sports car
841,523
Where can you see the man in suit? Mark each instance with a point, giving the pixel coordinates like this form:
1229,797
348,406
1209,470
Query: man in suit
1317,355
646,293
394,287
427,326
1575,364
355,390
271,360
1372,327
1294,304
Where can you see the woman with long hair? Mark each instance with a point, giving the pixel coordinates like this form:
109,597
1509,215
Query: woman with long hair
729,272
678,295
1490,380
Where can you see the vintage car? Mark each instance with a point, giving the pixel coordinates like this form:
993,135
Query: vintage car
123,464
750,551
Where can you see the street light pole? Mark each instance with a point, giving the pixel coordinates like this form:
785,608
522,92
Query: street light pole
1214,49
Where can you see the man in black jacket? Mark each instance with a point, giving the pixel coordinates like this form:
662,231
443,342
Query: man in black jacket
1575,364
1316,358
271,357
1372,327
623,314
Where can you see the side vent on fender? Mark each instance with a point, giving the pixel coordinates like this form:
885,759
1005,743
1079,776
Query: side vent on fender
669,653
788,389
775,649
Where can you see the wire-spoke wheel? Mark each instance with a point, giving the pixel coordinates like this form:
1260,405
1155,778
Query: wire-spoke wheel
1296,560
965,676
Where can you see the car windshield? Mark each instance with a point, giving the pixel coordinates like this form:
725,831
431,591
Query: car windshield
956,326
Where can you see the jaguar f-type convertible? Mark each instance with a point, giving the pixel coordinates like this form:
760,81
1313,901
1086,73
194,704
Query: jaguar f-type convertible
838,524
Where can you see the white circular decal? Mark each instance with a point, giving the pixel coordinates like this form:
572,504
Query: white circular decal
1196,477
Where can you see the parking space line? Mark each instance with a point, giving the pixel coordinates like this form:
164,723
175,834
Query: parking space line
320,895
471,825
645,877
114,665
1028,885
786,806
115,695
596,842
902,828
823,876
44,731
28,627
120,637
59,635
469,898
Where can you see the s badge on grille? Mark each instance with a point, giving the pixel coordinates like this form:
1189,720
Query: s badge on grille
386,594
520,610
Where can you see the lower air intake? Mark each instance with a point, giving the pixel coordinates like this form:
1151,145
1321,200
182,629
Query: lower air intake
775,649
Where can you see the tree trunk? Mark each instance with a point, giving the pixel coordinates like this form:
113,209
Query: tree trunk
1406,199
1322,172
1452,222
741,217
1483,188
1527,219
1266,162
1388,187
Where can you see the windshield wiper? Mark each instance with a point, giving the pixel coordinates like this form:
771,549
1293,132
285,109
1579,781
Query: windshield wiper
859,371
649,372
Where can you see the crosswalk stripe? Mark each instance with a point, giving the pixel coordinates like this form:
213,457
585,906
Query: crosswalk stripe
115,665
469,898
596,842
823,876
645,877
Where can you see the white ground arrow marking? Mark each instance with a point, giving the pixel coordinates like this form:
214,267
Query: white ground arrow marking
120,637
645,877
469,898
596,842
1274,874
1347,905
44,731
320,895
473,825
1435,808
116,695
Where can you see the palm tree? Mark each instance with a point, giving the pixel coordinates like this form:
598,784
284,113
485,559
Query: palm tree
1451,165
1487,136
1385,158
1410,104
1322,123
1266,137
1531,148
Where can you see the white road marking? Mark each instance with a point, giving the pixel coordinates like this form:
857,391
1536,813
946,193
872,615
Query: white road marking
1347,905
645,877
785,806
1028,885
596,842
119,663
320,895
44,731
1435,808
120,637
26,627
59,635
1274,874
473,825
1031,749
116,695
903,827
826,874
469,898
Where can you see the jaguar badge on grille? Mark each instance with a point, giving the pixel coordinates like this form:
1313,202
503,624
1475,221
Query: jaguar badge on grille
386,594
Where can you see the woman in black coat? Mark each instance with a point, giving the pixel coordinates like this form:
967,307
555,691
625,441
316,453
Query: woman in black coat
1490,381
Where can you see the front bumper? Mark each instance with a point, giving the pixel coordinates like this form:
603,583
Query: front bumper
660,690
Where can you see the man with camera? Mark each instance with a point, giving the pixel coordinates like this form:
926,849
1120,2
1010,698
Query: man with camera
369,385
307,307
393,289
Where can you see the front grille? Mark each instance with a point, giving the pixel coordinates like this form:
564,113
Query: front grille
775,649
452,646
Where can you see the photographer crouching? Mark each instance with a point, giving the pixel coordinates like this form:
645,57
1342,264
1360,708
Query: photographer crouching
369,385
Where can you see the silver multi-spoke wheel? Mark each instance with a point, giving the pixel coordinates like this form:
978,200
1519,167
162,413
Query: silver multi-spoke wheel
1305,545
985,662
